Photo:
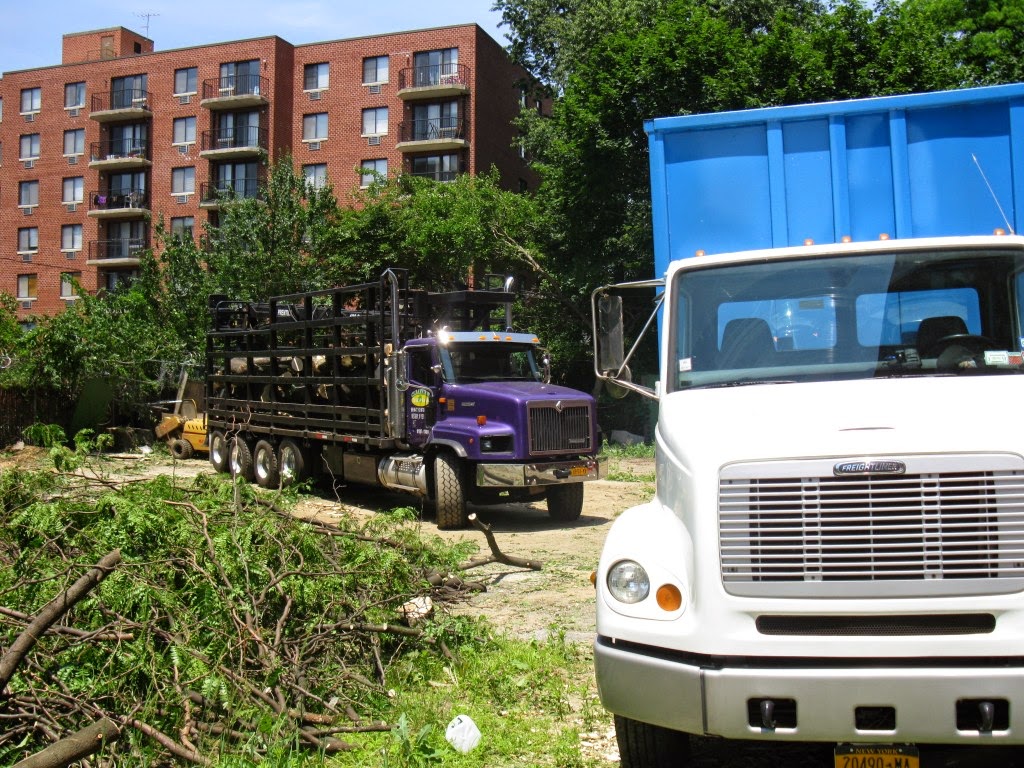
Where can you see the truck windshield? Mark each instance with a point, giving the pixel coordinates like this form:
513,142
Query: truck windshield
489,361
898,313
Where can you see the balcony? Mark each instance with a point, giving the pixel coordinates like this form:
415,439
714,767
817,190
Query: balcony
116,253
125,104
235,92
113,155
433,82
439,134
120,203
228,144
437,175
213,194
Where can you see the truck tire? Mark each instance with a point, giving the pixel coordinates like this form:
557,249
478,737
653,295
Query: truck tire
219,453
264,465
240,458
565,502
642,745
180,448
291,462
451,495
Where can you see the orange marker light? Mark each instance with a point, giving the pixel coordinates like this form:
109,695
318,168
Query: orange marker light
884,236
669,598
999,231
847,239
481,419
808,241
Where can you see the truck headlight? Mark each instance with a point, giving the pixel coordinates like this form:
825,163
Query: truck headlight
628,582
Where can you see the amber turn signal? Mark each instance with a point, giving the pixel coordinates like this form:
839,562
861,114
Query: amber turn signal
669,597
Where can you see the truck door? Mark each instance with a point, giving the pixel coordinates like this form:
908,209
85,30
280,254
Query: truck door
421,397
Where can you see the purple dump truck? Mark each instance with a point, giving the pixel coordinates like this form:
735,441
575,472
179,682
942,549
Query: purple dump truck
433,394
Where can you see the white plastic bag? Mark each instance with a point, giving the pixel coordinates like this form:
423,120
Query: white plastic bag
462,733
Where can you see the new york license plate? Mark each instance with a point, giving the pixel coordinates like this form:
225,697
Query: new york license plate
877,756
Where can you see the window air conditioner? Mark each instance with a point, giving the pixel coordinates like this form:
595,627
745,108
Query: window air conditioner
73,112
373,141
314,95
72,159
30,164
374,89
30,117
72,207
183,149
314,146
185,99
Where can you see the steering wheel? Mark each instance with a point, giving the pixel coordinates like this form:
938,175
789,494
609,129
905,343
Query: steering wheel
962,350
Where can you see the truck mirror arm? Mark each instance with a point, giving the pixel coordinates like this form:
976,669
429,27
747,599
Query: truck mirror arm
617,374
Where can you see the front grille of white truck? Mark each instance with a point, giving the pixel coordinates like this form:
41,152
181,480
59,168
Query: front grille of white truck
559,427
930,533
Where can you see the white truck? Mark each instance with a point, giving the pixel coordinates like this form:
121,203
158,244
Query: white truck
835,549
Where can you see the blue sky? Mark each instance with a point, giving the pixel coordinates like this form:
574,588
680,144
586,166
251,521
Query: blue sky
31,30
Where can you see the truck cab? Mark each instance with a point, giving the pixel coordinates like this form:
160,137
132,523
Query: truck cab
835,549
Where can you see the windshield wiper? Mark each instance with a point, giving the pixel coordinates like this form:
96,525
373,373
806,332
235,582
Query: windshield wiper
744,383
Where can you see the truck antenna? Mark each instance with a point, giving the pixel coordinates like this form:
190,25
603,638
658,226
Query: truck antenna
1009,227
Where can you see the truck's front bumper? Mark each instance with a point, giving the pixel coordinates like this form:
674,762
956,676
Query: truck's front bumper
715,698
540,473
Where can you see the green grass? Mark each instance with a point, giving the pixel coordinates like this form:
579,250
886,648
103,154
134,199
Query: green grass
530,700
619,458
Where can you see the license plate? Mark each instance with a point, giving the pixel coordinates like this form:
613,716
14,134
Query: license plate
579,472
877,756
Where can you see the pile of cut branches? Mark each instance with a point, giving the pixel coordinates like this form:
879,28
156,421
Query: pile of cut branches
145,621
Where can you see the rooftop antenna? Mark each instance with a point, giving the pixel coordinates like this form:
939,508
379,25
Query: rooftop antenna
147,15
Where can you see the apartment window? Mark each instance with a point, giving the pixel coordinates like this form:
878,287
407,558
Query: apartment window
182,227
74,141
370,168
128,92
28,240
28,193
26,287
315,77
315,175
436,167
71,237
314,127
184,130
74,190
31,100
67,284
434,67
185,81
113,281
74,95
238,77
375,121
29,147
183,181
375,70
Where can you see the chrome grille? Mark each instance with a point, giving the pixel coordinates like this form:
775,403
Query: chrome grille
556,427
874,530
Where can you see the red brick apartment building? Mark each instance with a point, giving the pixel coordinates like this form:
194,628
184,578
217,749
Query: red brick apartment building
95,149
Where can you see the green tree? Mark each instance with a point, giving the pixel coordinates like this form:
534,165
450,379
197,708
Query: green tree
611,64
273,244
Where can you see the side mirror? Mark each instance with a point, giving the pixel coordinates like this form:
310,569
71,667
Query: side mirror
610,346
